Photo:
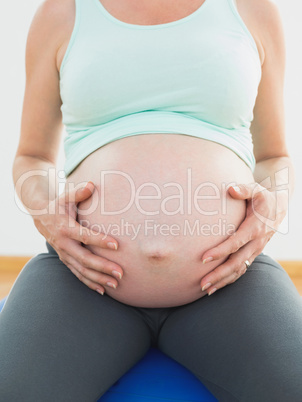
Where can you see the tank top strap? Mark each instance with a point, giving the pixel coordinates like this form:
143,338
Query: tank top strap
233,8
88,12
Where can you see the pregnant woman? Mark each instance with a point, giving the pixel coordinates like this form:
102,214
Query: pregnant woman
177,175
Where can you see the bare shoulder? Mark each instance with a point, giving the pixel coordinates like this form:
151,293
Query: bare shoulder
263,18
51,28
268,125
41,122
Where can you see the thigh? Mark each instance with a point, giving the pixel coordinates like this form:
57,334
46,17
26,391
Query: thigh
244,342
60,340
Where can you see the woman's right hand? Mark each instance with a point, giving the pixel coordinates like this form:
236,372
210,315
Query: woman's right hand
66,235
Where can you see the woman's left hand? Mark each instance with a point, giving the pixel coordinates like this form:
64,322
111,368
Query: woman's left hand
265,211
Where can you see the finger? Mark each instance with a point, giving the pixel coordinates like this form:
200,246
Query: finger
94,286
233,277
232,269
88,236
237,240
87,259
77,194
245,191
93,278
217,275
78,232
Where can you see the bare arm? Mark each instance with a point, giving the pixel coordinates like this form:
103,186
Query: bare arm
36,156
268,125
274,170
41,122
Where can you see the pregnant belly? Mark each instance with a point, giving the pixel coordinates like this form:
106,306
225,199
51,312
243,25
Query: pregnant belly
164,198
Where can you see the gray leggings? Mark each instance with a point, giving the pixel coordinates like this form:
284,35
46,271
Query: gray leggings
61,341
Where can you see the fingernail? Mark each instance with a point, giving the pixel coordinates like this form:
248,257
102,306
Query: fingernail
100,291
85,184
207,260
112,285
237,189
117,274
205,287
112,245
212,291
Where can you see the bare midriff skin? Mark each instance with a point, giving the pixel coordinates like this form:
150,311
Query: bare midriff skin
186,211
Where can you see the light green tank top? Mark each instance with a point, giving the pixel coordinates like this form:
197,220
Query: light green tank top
196,76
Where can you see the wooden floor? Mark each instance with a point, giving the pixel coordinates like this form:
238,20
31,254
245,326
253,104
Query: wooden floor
7,279
298,282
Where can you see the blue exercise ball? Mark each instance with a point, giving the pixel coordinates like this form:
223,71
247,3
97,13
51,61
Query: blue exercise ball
156,378
2,303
